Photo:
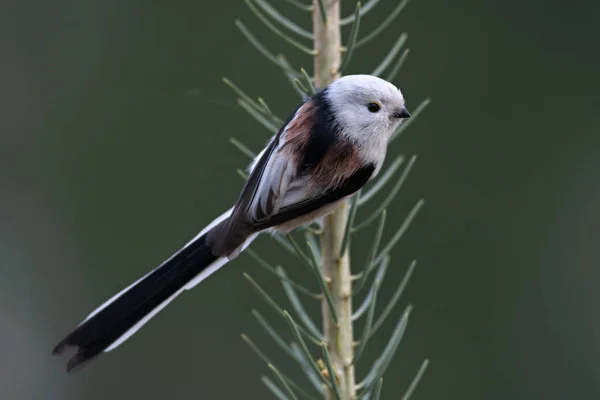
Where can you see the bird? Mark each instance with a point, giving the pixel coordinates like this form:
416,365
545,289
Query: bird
331,145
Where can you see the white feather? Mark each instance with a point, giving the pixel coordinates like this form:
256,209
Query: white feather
116,296
217,220
204,274
216,265
141,322
199,278
259,156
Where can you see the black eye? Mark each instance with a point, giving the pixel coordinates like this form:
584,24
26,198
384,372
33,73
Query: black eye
373,107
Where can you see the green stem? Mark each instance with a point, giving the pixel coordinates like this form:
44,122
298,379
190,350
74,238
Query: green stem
338,337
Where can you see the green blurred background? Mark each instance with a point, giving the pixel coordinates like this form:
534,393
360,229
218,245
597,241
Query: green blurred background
114,152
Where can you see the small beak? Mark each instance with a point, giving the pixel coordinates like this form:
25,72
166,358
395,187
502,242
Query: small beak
403,113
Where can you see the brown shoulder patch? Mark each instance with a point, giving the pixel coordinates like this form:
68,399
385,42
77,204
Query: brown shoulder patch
297,133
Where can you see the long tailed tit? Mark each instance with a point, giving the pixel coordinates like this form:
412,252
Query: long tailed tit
330,146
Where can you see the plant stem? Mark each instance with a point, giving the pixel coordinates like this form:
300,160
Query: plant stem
336,269
327,43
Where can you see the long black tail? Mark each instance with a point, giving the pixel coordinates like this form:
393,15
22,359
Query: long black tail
121,316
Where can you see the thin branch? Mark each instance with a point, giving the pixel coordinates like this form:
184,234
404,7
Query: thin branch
259,107
352,38
369,322
271,302
365,305
380,366
276,15
274,335
310,238
398,235
416,380
299,251
409,121
242,174
386,202
321,280
349,223
273,388
283,381
242,147
257,116
377,389
261,49
364,10
276,30
331,371
284,243
305,365
395,297
315,228
302,344
380,183
392,75
322,11
266,360
391,55
369,264
243,95
273,270
390,18
308,81
300,86
304,7
294,81
274,119
298,307
267,109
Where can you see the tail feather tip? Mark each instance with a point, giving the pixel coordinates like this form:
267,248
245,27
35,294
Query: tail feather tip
60,348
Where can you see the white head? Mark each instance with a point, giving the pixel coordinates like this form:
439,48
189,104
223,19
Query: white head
366,106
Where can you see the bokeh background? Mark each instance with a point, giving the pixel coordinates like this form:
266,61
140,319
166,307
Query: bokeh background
114,127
